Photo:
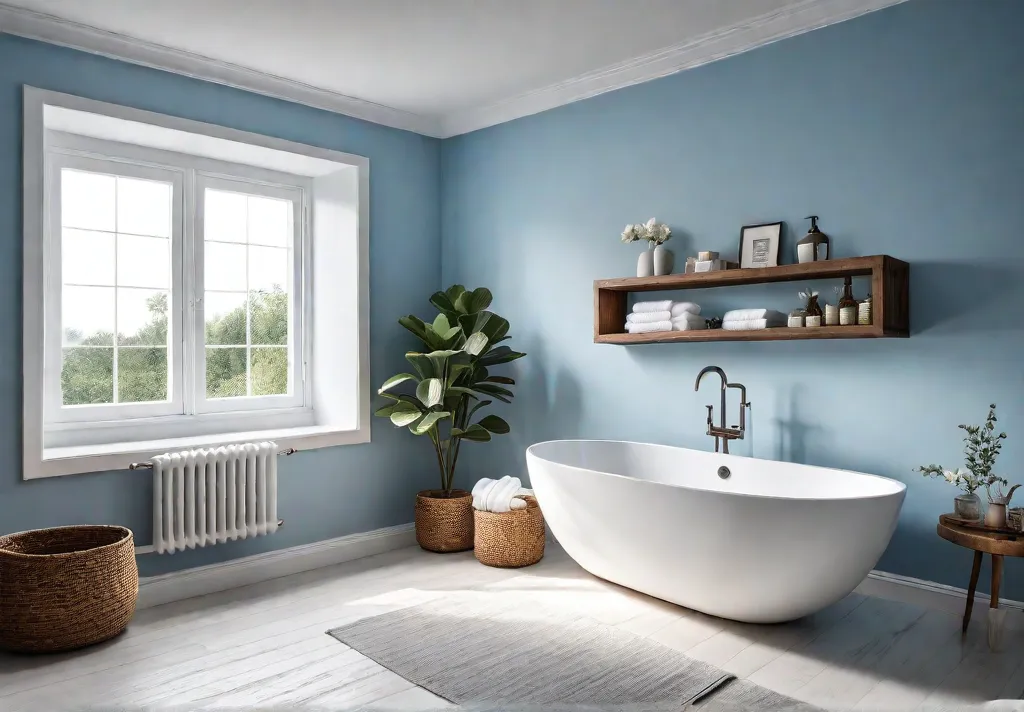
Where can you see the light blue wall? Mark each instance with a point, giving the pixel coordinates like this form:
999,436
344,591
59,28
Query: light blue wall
903,129
323,493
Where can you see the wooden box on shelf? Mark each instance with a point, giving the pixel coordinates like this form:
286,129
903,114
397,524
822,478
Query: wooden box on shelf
890,290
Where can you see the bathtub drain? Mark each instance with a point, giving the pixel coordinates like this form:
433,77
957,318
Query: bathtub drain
724,472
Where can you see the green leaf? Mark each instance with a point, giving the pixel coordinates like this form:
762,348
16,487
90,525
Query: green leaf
474,432
494,424
502,394
502,354
415,325
454,292
404,414
460,390
475,408
501,379
395,380
430,391
421,363
441,325
492,325
444,304
386,411
473,302
475,344
428,422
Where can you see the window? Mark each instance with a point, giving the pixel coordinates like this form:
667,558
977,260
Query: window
177,288
170,301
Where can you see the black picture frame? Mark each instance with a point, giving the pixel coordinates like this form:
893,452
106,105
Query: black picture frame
773,246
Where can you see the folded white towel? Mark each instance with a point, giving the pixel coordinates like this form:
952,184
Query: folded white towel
644,317
680,308
663,305
744,314
648,327
688,316
750,324
499,495
690,322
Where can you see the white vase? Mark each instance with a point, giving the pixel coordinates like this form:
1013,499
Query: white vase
662,261
645,264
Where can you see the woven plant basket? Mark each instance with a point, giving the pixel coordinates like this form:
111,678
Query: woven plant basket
444,524
510,539
66,587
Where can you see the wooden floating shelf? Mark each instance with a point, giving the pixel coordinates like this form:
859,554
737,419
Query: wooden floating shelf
890,290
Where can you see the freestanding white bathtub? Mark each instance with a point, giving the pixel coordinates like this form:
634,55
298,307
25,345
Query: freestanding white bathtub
772,542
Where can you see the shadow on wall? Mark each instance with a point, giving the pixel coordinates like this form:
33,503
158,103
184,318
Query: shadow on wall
964,295
793,430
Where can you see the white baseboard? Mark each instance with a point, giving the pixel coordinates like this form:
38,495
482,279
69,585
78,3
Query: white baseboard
178,585
927,593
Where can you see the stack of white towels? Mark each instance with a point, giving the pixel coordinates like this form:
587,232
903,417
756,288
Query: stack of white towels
499,495
747,319
664,315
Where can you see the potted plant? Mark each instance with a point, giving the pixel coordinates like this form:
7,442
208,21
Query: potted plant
444,398
981,448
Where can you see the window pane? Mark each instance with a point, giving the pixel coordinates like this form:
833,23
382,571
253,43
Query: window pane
87,315
269,371
87,200
224,217
268,318
143,261
225,372
141,375
224,268
141,317
87,376
270,221
268,268
225,318
86,257
143,207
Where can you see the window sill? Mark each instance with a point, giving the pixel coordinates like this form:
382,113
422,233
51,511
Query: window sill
60,461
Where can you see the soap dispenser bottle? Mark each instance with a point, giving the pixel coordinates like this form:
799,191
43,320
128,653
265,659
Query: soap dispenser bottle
815,245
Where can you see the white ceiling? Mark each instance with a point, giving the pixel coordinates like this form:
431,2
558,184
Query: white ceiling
451,65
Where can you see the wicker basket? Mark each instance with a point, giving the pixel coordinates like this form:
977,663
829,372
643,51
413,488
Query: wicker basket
444,524
510,539
65,588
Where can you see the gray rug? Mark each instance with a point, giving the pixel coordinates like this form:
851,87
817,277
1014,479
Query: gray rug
473,653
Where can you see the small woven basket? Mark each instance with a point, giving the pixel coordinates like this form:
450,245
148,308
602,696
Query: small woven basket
510,539
444,524
66,587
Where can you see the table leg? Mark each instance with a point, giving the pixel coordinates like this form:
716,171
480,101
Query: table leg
975,573
997,577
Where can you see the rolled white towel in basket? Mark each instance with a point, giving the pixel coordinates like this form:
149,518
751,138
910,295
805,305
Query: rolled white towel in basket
646,317
499,495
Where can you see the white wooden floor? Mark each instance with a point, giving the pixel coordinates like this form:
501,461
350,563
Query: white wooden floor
264,645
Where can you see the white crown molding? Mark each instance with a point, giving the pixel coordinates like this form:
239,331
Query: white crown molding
58,31
802,16
203,580
795,19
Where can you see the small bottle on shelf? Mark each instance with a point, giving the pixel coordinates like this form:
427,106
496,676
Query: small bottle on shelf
847,304
864,312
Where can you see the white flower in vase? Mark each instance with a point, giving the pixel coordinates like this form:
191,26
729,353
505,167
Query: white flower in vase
952,476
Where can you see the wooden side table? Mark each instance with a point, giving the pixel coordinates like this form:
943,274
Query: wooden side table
996,544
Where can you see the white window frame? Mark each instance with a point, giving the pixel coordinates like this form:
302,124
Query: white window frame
56,411
335,221
190,175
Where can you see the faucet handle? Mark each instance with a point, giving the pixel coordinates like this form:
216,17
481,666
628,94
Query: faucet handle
711,413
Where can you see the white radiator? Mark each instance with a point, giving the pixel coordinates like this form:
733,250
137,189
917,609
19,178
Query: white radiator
207,497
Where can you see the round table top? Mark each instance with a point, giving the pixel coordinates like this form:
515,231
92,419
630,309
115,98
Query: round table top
988,542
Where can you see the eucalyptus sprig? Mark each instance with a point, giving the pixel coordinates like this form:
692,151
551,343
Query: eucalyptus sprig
981,448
